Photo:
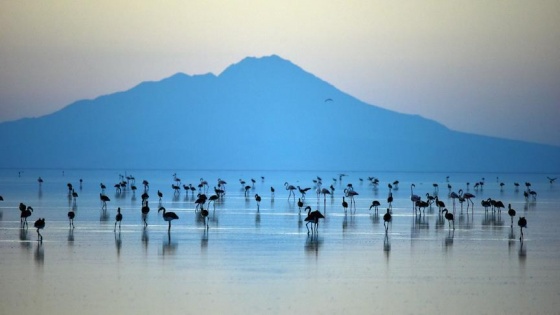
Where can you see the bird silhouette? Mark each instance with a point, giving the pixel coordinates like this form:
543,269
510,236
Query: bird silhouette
313,218
71,216
258,200
168,216
344,204
511,213
387,219
449,217
25,214
104,200
118,218
291,189
375,205
40,224
204,214
145,210
522,223
300,204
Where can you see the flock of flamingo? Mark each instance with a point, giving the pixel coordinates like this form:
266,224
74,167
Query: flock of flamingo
203,201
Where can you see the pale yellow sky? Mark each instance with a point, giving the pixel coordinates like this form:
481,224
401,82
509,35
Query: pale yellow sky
488,67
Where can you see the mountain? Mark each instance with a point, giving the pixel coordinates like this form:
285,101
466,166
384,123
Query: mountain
262,114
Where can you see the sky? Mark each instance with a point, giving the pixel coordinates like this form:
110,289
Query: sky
483,67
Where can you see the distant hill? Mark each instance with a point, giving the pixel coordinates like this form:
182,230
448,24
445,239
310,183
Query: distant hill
261,113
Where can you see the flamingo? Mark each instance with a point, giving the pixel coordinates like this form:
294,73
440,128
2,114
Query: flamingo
168,216
468,196
258,200
25,214
299,204
145,210
375,205
213,199
511,213
74,195
499,205
302,191
104,200
204,214
386,219
118,218
449,217
272,191
440,204
486,203
414,198
160,194
351,193
390,200
313,218
344,204
291,188
71,216
522,222
40,224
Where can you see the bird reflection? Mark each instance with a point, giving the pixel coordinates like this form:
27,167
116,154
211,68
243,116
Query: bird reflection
118,243
104,216
312,245
204,240
387,246
39,255
168,247
522,253
24,238
145,238
71,236
258,219
449,239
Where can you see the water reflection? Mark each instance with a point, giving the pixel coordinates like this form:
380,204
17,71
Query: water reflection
387,246
168,247
448,242
24,239
39,255
204,241
118,243
145,239
104,216
70,236
313,244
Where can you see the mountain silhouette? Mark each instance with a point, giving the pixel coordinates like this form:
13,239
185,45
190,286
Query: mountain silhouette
262,114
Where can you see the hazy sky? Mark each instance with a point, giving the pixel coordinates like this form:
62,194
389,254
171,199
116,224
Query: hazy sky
486,67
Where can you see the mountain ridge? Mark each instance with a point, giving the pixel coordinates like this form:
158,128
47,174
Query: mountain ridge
259,113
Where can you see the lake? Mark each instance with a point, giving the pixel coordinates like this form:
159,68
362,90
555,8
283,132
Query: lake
264,261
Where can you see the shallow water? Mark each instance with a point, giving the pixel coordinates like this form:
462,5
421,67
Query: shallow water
264,261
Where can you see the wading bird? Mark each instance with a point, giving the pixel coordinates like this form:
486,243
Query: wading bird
118,218
40,224
387,219
168,216
511,213
449,217
522,222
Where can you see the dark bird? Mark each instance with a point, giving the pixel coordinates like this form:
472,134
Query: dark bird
291,189
300,204
145,210
204,214
302,191
345,204
25,214
375,205
522,222
511,213
440,204
386,219
313,218
449,217
40,224
551,180
212,199
160,194
104,200
390,200
168,216
118,218
258,200
71,216
272,191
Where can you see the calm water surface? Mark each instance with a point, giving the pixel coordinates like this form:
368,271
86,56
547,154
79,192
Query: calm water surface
264,261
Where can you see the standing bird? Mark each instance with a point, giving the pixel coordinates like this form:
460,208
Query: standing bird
345,204
160,194
258,200
511,213
375,205
291,189
40,224
25,214
390,200
71,216
104,200
204,214
145,210
449,217
118,219
313,218
440,204
414,198
522,222
168,216
386,219
300,204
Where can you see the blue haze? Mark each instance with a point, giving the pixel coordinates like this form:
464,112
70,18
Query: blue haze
263,114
